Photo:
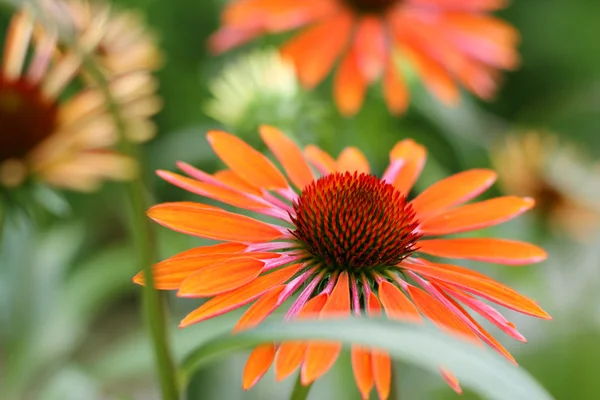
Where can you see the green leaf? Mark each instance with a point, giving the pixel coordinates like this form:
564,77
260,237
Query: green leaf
483,371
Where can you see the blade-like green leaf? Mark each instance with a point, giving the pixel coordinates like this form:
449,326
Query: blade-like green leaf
483,371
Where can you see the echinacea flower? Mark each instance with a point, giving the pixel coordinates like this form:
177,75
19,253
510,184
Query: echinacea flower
447,42
63,142
555,174
346,243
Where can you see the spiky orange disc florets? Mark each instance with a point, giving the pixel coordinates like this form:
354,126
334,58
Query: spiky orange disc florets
26,117
355,221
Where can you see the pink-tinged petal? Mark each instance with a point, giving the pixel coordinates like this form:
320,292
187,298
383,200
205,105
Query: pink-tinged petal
451,380
352,160
230,301
370,47
289,155
258,364
221,278
486,288
315,50
320,356
501,251
322,161
221,193
454,190
246,162
228,37
412,156
212,223
349,86
476,216
462,5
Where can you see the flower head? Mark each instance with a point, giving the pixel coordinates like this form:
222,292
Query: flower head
62,142
555,174
345,242
447,42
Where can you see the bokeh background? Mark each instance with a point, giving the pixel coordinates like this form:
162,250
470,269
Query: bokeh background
71,315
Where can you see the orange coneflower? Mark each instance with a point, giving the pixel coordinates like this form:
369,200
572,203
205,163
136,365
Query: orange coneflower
445,41
64,143
347,242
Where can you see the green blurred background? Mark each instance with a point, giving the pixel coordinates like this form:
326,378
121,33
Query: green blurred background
71,315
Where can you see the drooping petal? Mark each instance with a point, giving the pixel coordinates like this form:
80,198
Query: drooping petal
486,288
260,310
382,371
396,304
352,160
290,354
476,216
230,178
246,162
320,356
501,251
229,301
212,223
322,161
413,158
395,91
258,364
451,380
289,155
370,47
454,190
362,369
315,50
349,86
221,278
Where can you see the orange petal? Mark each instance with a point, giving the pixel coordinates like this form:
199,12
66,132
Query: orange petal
247,163
382,371
221,278
322,161
220,193
320,356
395,91
370,46
362,369
260,310
499,251
453,190
451,380
229,301
441,316
258,364
290,354
315,50
396,304
373,305
230,178
212,223
475,216
413,155
289,155
351,160
170,273
349,86
486,288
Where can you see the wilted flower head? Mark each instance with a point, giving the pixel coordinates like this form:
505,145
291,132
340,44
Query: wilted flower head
62,141
447,43
345,242
556,174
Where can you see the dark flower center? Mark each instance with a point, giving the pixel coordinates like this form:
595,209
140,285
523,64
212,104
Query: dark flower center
355,221
371,6
26,117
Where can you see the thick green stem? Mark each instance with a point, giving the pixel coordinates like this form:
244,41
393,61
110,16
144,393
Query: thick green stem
300,391
145,245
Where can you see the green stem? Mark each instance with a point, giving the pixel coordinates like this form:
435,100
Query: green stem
300,391
145,244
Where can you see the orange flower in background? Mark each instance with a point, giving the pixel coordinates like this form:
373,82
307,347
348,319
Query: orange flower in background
346,243
447,42
61,142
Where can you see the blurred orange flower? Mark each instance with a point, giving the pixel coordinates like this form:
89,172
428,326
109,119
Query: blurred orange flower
447,42
347,242
62,142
